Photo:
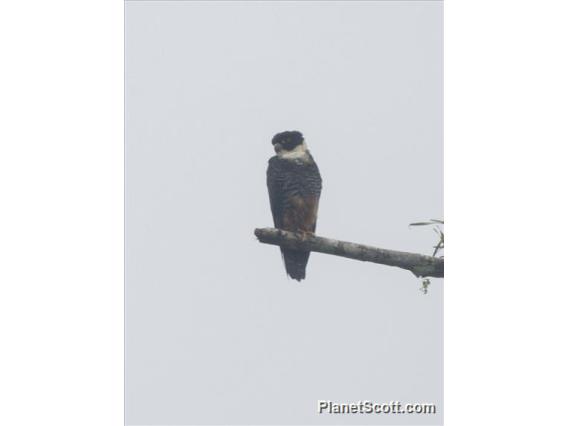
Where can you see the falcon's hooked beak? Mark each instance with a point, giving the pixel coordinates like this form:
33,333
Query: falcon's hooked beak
277,147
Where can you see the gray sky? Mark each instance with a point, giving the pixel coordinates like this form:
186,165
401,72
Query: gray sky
215,332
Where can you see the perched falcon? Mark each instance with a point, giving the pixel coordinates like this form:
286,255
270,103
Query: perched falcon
294,188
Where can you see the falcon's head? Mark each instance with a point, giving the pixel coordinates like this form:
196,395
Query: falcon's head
288,143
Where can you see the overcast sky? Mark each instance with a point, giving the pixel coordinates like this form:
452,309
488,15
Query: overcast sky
215,332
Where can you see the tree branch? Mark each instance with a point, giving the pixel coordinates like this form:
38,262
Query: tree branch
419,264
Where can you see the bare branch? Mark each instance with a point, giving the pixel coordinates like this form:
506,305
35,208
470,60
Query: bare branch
419,264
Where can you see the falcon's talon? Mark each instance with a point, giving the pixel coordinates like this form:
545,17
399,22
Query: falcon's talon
305,235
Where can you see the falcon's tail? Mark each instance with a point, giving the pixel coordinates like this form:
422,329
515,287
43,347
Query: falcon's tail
295,263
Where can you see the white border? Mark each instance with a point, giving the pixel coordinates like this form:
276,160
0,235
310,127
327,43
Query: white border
506,116
61,215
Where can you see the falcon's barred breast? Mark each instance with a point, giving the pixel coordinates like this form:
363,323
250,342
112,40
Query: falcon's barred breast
294,187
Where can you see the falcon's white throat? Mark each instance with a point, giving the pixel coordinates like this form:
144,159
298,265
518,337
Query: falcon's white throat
299,152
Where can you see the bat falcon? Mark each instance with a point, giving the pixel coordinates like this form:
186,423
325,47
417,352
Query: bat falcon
294,188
